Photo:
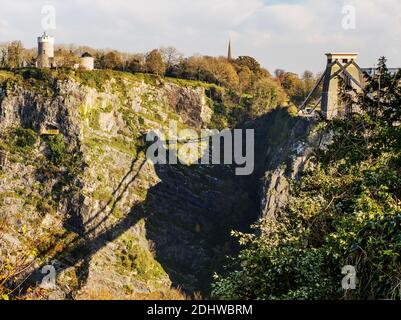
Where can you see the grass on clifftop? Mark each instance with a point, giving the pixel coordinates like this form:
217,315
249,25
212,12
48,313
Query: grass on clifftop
97,79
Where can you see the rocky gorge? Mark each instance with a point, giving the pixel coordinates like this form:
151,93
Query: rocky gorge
113,224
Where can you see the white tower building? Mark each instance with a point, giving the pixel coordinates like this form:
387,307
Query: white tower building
46,45
45,51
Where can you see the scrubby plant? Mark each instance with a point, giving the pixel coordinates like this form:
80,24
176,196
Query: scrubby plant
57,149
20,143
25,138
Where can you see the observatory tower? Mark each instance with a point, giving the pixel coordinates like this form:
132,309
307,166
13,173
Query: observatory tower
45,51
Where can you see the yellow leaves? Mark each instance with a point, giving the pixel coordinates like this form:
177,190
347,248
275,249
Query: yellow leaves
8,267
59,247
24,229
34,253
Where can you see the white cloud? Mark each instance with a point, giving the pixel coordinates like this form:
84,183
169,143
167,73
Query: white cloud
290,34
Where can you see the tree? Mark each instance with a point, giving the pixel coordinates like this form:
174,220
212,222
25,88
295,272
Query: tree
154,63
308,76
171,56
3,55
137,63
197,68
245,80
29,56
78,50
279,74
293,86
111,60
309,80
267,96
65,58
224,72
250,62
12,55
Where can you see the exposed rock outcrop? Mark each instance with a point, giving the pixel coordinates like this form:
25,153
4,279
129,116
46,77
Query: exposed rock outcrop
286,159
107,219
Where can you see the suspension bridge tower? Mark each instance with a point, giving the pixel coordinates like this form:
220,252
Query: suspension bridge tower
340,67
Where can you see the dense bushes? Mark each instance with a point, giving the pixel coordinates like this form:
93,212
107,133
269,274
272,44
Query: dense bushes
19,143
57,149
25,138
344,211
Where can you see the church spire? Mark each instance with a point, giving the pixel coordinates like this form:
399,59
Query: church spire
229,56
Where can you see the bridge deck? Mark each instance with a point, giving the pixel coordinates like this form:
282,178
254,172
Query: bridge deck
371,71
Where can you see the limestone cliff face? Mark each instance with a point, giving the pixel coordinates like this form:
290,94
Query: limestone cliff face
108,220
111,223
287,155
285,164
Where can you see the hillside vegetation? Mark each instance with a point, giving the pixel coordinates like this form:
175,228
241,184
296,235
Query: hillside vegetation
344,211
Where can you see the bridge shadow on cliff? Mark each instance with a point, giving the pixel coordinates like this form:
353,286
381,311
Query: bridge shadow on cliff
91,235
189,215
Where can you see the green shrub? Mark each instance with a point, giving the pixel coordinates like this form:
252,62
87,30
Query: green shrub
137,259
36,74
20,142
94,79
25,138
293,110
57,149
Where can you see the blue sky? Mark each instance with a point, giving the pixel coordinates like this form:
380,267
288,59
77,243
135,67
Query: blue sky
288,34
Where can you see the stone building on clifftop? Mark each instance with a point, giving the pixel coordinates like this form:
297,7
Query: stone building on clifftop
45,52
46,55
